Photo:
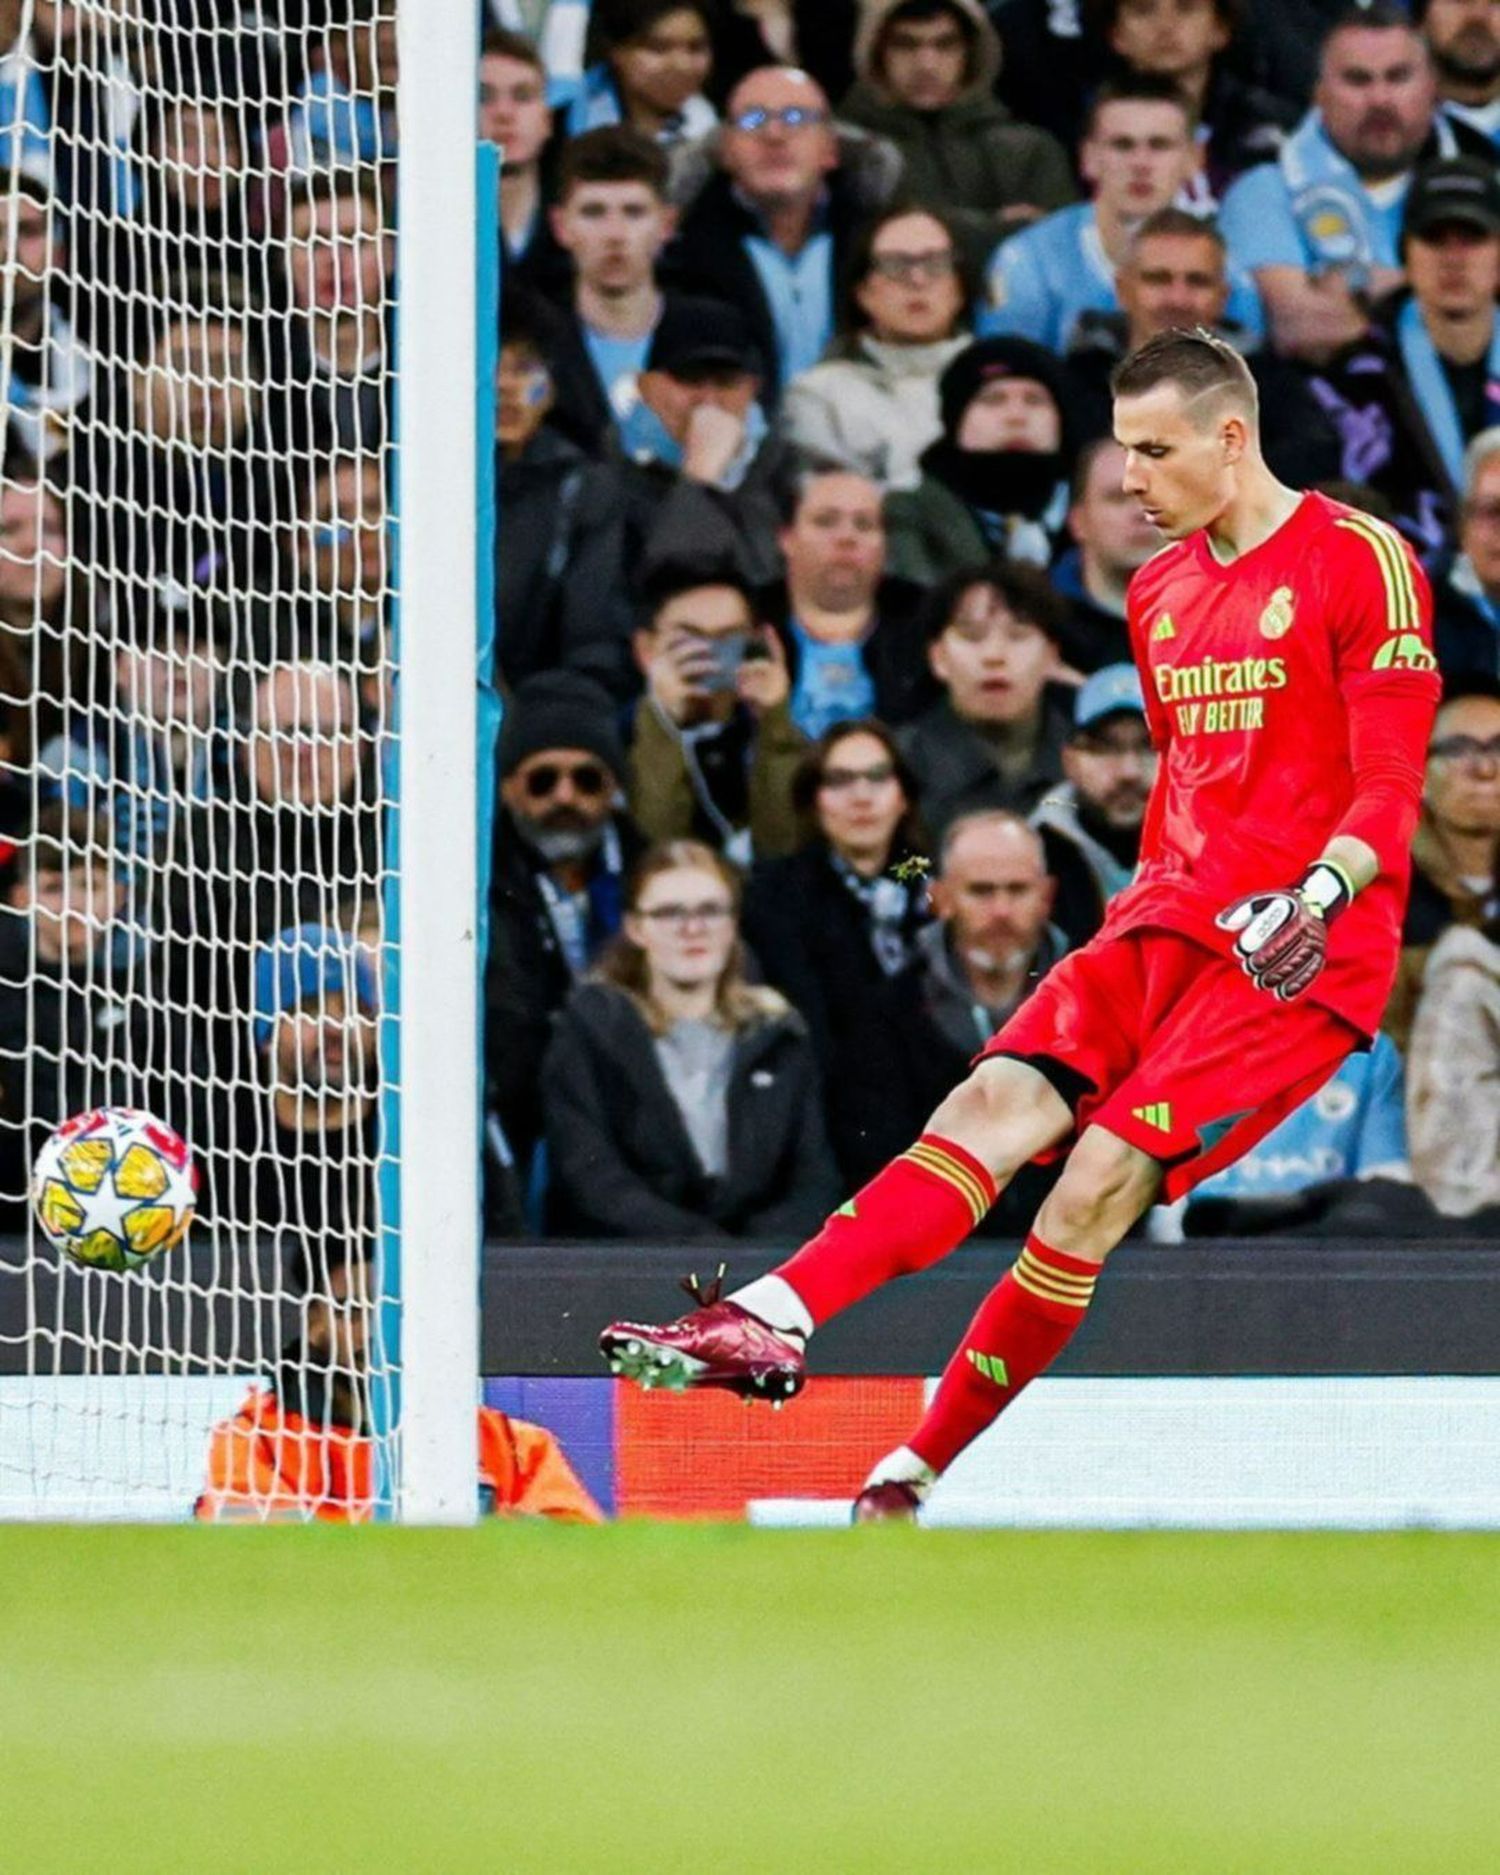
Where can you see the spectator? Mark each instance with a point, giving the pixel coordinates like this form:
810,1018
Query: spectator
714,747
562,846
1189,42
834,927
1320,227
301,1449
1091,825
613,219
1453,879
851,634
770,205
706,490
43,613
345,551
1112,537
1176,275
1465,48
1453,1073
68,103
817,36
872,405
192,213
560,539
79,1023
1466,585
345,110
329,374
995,738
681,1101
315,1135
144,729
655,60
1354,1127
50,375
513,113
995,482
927,74
1138,156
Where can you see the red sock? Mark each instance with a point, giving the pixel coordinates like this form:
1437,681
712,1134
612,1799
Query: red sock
915,1211
1022,1325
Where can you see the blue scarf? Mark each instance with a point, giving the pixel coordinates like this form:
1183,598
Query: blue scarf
1329,200
1434,396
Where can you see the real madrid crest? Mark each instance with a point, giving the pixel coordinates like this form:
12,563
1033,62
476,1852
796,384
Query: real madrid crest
1276,620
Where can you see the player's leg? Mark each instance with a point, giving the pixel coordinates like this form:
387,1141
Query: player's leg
916,1210
1027,1320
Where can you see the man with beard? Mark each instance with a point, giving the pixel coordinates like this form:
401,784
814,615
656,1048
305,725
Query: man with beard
995,482
1465,46
315,1004
562,848
1091,825
1320,228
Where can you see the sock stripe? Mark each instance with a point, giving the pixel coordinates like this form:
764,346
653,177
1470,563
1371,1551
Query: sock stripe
933,1159
1053,1285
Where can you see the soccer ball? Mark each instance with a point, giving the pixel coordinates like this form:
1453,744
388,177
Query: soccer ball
114,1187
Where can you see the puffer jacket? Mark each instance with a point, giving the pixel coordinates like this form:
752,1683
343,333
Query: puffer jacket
1453,1075
873,409
974,160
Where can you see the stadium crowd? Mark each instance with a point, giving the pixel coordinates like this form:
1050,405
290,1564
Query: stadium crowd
821,739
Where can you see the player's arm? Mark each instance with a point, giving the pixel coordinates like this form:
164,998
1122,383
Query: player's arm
1382,632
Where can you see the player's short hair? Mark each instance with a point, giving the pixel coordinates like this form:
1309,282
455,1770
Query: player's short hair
1022,589
1137,88
1203,367
612,153
1182,225
500,42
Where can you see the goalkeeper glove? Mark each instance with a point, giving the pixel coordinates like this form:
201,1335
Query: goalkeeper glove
1282,937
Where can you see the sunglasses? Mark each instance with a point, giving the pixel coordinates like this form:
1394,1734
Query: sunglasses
588,779
1465,750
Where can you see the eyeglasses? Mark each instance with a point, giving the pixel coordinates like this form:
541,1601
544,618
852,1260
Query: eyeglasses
837,780
588,779
1467,751
936,264
761,117
713,911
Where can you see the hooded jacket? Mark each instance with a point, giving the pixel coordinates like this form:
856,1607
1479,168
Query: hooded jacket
1087,872
973,160
623,1164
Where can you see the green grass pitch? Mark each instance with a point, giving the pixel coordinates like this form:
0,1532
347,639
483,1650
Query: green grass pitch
526,1698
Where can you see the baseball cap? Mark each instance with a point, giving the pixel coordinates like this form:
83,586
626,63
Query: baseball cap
1116,687
304,961
1453,188
703,335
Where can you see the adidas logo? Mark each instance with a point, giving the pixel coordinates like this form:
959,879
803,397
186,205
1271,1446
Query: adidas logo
1157,1114
990,1365
1163,629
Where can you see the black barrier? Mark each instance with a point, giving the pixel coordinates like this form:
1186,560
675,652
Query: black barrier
1204,1308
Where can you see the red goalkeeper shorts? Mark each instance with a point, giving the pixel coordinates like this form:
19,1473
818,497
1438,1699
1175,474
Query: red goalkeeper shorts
1173,1049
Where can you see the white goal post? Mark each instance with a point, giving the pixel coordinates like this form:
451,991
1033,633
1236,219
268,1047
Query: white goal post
247,328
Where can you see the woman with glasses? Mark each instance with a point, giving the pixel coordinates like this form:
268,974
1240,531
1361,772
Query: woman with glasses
681,1101
872,405
834,927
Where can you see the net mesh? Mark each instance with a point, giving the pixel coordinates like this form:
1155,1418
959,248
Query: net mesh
196,599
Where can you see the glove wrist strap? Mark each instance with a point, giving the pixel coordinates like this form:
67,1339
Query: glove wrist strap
1326,888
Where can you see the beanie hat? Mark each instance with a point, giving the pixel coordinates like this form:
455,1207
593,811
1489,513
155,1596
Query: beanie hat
985,359
560,710
305,961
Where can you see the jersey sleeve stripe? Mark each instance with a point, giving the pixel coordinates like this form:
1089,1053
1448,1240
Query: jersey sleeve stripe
1402,611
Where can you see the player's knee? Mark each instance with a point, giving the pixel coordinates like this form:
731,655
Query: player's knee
1106,1185
1004,1113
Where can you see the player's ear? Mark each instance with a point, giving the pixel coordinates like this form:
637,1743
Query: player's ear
1234,434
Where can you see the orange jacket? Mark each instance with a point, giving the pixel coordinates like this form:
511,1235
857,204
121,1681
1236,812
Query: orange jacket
269,1465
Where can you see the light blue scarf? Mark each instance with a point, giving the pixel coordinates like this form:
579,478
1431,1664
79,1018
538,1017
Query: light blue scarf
1434,396
1329,200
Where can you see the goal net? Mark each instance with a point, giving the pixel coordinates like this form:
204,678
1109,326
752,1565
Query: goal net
199,614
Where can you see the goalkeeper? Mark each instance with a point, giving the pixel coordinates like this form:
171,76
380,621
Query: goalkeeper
301,1449
1284,643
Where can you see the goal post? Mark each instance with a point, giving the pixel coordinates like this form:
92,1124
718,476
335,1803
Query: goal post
249,321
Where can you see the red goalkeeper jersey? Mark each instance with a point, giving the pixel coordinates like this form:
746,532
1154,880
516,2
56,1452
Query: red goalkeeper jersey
1291,695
